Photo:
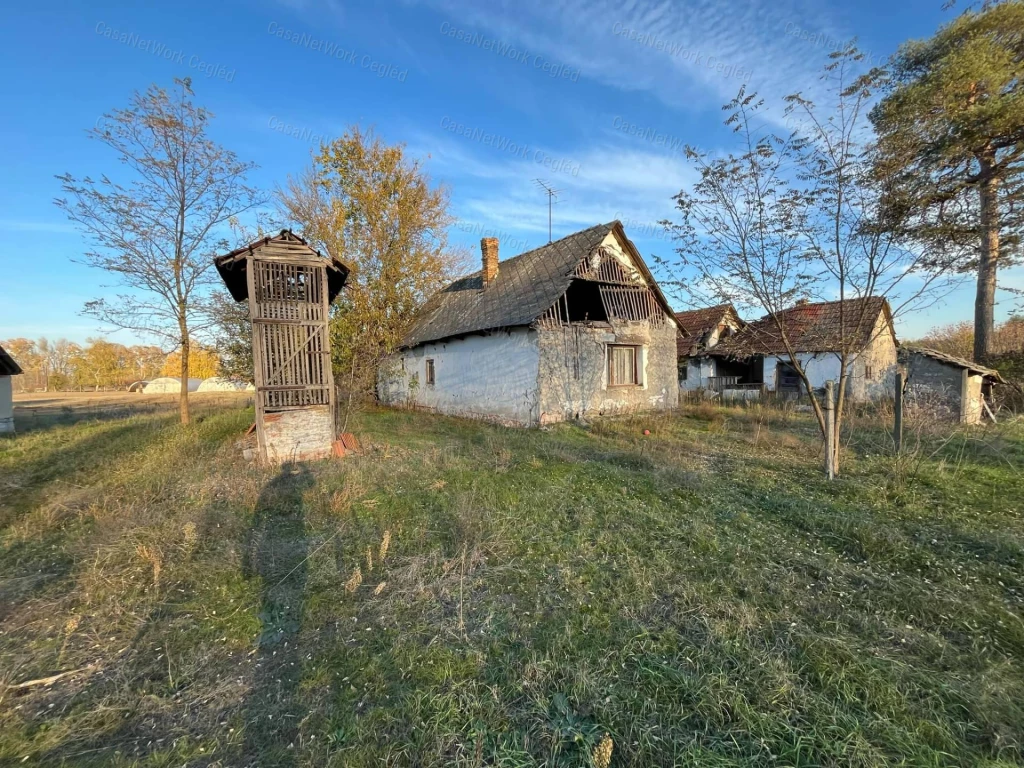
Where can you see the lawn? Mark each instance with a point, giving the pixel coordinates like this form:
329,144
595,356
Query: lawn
466,594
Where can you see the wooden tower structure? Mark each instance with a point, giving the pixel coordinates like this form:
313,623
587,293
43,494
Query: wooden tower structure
289,287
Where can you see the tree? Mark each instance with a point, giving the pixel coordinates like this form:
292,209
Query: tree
202,363
232,332
793,217
372,207
951,139
104,364
158,230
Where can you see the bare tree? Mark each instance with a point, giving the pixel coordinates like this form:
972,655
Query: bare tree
794,217
157,225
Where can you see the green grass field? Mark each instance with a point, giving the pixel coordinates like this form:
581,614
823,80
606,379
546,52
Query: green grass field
464,594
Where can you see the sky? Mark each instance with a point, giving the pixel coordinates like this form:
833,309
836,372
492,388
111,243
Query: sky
490,94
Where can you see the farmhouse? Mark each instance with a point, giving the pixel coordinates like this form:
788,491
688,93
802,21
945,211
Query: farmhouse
699,331
755,359
575,328
946,384
8,368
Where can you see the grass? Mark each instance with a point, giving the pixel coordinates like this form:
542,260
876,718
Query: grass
465,594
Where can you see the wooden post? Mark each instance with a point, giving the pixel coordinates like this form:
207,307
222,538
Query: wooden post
830,429
897,427
965,399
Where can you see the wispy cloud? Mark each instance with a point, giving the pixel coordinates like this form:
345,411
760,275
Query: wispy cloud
679,54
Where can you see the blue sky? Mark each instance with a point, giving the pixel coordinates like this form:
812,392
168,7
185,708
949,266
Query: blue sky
558,87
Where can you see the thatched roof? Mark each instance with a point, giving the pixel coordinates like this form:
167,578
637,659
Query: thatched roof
828,326
8,367
524,288
957,362
286,245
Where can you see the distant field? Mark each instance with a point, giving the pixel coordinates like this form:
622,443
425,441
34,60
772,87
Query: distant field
33,410
464,594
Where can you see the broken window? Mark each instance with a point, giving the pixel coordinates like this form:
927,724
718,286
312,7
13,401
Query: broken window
429,376
622,366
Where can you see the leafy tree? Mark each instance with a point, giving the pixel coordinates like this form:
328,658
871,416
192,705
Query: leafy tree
951,139
158,229
232,333
202,363
371,206
104,364
793,217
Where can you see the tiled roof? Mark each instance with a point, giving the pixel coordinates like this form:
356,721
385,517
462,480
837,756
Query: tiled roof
524,288
823,327
7,365
695,324
958,362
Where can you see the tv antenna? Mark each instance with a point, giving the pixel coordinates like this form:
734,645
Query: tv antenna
552,194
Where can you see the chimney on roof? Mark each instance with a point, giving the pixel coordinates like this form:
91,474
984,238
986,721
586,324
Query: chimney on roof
489,251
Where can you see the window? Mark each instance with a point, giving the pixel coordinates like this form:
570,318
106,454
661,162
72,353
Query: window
429,377
622,366
869,374
684,368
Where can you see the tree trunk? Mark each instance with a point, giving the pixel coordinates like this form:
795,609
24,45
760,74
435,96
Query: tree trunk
183,397
988,257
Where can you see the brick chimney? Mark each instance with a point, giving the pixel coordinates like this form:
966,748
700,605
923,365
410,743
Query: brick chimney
489,251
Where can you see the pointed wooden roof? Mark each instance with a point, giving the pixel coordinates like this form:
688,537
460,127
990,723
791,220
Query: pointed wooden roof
286,246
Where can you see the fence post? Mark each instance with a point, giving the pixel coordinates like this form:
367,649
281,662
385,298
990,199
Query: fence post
897,427
830,429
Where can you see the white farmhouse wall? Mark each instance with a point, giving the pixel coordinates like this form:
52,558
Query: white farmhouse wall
819,367
6,405
698,371
490,376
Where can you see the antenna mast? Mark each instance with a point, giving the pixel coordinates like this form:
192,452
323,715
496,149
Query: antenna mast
552,194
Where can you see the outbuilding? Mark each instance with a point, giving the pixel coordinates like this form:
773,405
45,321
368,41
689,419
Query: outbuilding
8,368
946,384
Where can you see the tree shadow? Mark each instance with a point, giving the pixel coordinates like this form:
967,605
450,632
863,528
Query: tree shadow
276,553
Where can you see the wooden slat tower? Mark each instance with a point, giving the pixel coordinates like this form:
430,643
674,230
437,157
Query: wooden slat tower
289,287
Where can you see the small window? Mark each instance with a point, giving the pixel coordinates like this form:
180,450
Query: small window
622,366
869,373
429,377
684,369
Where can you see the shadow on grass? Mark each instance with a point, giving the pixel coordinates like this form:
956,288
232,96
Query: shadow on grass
276,553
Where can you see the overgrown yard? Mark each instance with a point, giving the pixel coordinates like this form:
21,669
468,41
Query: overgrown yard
463,594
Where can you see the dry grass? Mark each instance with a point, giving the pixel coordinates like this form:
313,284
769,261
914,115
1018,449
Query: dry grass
645,591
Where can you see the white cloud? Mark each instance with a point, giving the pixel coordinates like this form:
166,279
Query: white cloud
752,42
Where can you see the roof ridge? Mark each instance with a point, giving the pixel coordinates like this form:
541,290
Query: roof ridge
510,259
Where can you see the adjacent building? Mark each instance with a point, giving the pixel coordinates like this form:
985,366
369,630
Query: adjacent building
700,330
754,358
573,329
947,385
8,368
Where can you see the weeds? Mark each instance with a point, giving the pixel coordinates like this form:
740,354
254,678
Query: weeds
681,590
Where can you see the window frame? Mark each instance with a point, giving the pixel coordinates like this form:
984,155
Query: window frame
637,382
429,372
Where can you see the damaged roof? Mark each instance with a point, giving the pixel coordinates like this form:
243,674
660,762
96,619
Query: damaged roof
8,367
958,362
524,288
826,326
695,324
